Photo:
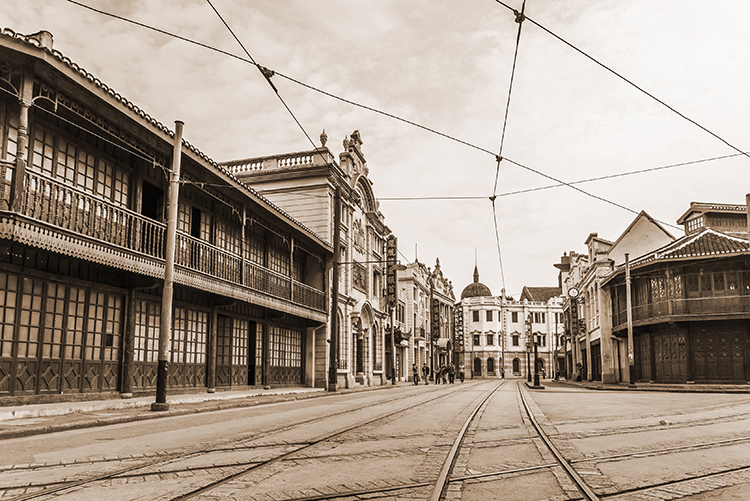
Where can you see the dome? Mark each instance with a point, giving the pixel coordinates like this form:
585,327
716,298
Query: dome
476,289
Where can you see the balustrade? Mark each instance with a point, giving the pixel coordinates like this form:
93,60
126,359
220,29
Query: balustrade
54,203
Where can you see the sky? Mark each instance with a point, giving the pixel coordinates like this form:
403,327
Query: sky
446,65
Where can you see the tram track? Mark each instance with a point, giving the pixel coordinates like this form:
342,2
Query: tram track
434,486
130,471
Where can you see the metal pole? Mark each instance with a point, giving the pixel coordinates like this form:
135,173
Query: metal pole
165,330
536,364
631,357
334,341
393,345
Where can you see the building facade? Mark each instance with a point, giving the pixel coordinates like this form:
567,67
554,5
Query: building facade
593,353
501,334
689,302
425,315
308,185
84,177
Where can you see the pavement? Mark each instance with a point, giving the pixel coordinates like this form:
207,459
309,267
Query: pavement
39,418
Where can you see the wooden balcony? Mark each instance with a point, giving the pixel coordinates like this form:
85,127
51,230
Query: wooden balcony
59,218
685,309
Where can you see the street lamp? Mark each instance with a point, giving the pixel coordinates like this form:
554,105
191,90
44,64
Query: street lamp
536,361
528,348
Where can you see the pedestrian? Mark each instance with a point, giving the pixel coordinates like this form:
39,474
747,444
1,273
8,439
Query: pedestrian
461,372
415,373
436,374
426,373
451,373
444,373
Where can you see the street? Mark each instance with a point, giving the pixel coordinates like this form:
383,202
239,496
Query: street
394,443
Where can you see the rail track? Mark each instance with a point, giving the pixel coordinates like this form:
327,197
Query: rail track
231,461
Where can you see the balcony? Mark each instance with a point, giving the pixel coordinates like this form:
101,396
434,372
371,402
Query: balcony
717,294
66,220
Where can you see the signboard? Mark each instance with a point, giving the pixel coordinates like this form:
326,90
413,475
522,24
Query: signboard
391,248
574,326
435,322
458,326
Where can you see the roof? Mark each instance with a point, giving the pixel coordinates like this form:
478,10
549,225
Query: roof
703,244
703,207
44,43
541,294
476,289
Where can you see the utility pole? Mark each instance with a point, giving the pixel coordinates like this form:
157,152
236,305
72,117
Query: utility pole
334,341
628,306
165,326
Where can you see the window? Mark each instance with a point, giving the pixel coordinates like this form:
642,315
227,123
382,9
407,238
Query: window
515,339
490,339
475,315
489,315
514,317
539,317
476,340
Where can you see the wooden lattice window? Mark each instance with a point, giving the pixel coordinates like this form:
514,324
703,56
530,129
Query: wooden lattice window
8,295
76,322
240,336
147,315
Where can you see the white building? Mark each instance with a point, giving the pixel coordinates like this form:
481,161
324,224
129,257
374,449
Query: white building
499,332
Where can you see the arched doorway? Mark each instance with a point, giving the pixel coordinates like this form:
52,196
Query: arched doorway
540,367
516,366
477,367
490,366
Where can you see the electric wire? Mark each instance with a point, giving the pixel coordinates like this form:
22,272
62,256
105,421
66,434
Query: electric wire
499,158
562,183
267,74
628,81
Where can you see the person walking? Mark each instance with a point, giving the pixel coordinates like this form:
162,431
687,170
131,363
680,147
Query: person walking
415,373
426,373
461,372
451,373
444,373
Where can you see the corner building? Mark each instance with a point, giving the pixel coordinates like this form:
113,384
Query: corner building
83,184
500,332
304,184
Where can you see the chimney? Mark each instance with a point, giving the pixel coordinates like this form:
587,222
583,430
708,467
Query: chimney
44,38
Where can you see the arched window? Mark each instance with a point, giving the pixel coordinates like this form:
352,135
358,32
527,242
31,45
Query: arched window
516,366
477,367
490,366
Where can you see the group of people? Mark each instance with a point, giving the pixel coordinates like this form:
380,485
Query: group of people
444,374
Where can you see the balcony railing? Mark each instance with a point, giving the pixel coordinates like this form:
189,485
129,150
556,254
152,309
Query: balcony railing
67,208
54,203
669,309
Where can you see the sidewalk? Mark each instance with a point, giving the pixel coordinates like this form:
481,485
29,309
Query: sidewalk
676,388
35,419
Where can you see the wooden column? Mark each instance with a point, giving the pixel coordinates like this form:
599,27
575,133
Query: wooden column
18,188
128,345
211,355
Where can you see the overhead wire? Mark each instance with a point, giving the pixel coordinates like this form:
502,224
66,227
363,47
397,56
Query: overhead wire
276,73
641,89
499,157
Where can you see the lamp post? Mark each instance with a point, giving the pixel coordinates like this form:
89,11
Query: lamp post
536,362
528,348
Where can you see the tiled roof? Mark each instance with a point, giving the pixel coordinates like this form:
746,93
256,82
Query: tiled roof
7,32
705,243
542,294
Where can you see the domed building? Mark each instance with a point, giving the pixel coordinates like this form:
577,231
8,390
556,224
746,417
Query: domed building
495,334
476,289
